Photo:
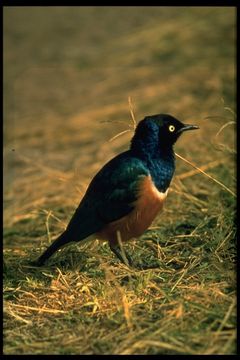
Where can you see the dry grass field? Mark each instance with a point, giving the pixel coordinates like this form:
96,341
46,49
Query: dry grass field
68,75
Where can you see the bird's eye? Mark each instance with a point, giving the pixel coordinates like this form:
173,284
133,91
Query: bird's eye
171,128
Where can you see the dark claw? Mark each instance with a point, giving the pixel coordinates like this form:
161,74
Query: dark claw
124,259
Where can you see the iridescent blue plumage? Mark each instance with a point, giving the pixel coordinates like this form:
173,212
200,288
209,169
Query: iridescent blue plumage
154,151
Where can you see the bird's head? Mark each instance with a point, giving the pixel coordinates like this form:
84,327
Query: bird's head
158,132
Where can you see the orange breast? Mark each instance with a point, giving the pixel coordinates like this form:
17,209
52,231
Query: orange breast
149,203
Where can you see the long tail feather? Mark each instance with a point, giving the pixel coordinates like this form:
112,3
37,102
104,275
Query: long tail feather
57,244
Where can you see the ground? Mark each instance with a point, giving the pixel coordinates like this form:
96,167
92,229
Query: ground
71,77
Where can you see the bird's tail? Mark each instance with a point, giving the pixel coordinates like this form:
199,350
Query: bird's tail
57,244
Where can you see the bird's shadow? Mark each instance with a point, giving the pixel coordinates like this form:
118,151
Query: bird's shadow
18,271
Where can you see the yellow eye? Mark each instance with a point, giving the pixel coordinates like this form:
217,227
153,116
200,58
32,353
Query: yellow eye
171,128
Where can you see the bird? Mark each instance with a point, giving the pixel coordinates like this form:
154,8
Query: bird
129,191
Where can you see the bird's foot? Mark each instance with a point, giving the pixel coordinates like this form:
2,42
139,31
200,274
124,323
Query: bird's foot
148,266
121,255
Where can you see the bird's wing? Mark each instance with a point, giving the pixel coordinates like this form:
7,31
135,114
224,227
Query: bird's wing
121,190
109,197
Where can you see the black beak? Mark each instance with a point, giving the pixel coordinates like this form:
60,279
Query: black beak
187,127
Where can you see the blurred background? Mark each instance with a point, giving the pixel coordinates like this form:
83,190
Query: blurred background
69,73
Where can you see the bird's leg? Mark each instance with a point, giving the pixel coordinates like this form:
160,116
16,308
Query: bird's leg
122,256
125,258
118,250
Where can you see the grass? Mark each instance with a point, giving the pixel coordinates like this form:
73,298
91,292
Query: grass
64,99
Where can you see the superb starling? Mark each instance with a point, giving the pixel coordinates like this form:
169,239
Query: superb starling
126,195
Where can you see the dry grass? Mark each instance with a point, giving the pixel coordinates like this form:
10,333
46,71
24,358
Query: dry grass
57,132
